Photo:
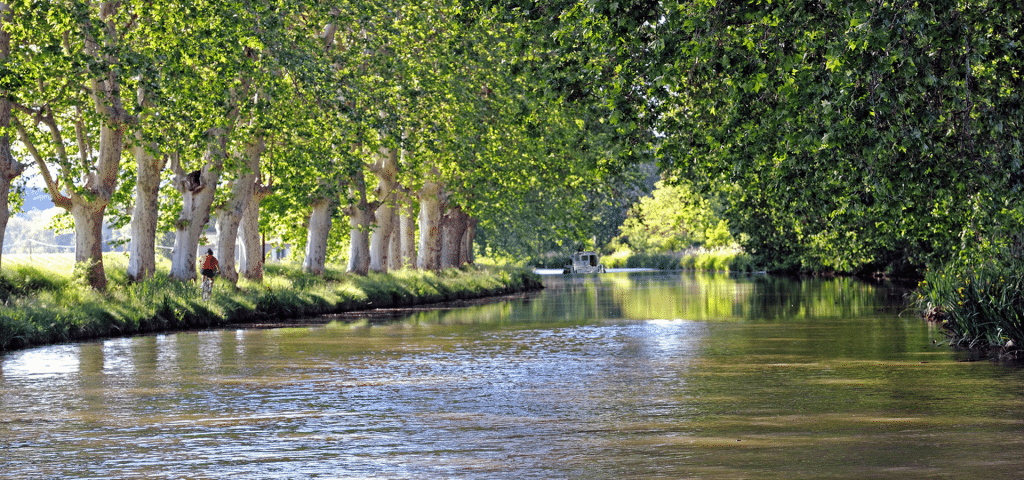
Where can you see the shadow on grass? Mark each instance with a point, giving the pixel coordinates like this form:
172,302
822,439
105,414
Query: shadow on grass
56,311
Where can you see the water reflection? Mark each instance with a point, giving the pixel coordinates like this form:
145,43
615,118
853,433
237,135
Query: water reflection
43,364
611,376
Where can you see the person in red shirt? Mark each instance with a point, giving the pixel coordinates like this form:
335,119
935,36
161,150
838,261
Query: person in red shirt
209,265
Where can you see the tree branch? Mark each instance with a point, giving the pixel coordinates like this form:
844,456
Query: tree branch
54,189
58,140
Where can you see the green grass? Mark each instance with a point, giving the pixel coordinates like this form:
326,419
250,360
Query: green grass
699,259
980,303
43,304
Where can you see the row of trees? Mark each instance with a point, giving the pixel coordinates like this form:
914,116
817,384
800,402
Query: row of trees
850,136
417,123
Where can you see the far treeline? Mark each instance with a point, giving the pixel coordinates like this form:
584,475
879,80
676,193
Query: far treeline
855,137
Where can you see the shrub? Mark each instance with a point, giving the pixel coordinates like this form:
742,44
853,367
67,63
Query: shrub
980,302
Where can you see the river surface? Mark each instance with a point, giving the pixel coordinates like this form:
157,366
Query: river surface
622,375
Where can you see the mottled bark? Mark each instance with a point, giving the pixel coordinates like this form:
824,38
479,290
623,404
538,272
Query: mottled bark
395,244
197,191
407,234
385,168
87,210
88,218
453,227
430,223
252,259
319,228
360,214
142,249
9,168
466,255
229,216
359,248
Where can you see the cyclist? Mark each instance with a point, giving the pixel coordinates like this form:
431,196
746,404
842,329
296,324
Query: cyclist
209,266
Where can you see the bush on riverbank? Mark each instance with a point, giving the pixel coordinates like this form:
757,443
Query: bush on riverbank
699,259
980,302
42,306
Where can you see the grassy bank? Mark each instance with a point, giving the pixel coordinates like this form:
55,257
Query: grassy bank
43,303
696,259
980,303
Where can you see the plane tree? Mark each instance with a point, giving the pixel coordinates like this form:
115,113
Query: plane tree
168,129
233,70
584,71
9,167
77,63
278,41
855,137
205,101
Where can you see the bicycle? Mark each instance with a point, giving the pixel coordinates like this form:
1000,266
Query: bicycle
207,287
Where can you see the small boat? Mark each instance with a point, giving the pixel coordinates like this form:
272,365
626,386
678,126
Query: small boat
583,262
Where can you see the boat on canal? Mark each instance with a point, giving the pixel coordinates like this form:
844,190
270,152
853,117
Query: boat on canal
583,262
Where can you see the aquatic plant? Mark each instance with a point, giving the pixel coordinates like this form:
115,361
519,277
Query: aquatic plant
979,301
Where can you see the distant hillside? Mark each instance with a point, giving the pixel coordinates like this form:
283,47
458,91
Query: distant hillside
28,231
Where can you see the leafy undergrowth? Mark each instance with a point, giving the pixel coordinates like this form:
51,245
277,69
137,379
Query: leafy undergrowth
980,303
698,259
42,305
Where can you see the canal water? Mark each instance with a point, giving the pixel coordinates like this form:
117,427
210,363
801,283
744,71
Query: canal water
622,375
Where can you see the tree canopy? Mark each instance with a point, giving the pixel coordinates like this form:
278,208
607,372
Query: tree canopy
851,136
231,107
854,136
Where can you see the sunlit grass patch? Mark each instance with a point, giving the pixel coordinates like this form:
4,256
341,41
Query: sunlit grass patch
44,304
700,259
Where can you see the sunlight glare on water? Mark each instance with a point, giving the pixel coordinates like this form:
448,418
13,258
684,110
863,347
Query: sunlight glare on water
635,375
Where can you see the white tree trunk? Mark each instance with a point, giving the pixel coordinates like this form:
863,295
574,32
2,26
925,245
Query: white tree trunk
386,171
466,256
197,192
430,223
88,218
251,259
395,244
315,261
360,221
9,168
226,227
407,234
229,217
380,238
142,249
453,228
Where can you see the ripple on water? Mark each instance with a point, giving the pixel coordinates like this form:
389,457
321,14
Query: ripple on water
606,376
